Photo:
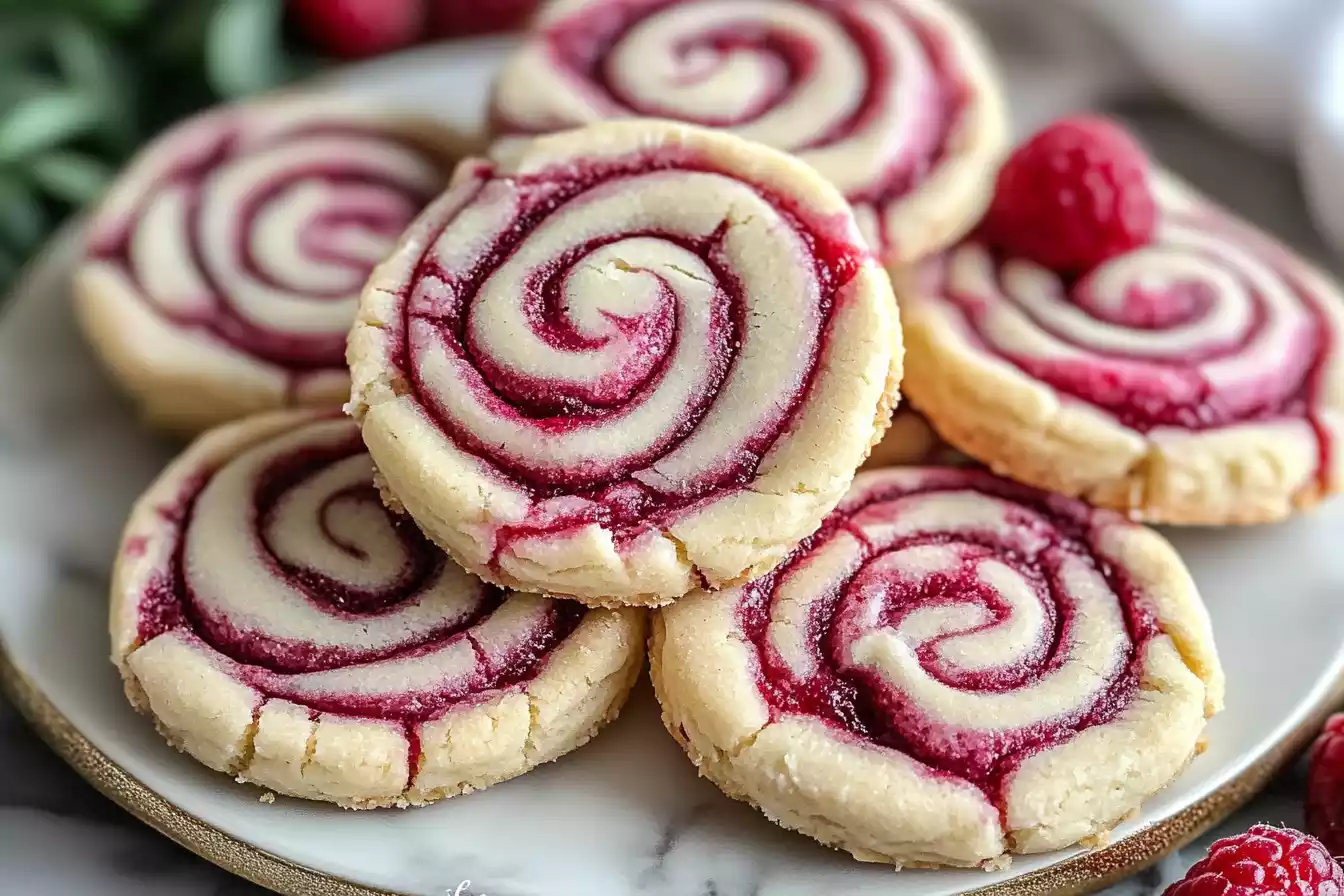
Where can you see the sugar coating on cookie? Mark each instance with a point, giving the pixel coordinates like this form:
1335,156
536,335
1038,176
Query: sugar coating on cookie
953,668
280,625
894,101
626,361
223,270
1196,379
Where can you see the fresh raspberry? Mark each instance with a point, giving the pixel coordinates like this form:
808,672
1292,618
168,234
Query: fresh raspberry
455,18
1325,786
1073,196
1263,861
357,28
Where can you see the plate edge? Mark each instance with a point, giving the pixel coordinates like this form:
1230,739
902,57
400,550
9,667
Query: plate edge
1084,874
112,781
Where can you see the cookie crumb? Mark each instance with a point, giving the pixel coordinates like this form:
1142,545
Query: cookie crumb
1096,841
268,798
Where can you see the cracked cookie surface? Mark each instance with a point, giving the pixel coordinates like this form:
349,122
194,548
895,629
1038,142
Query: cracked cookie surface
626,361
280,625
955,668
1197,379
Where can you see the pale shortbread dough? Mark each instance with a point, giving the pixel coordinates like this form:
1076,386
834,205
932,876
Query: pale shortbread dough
657,489
972,323
896,102
1042,709
262,678
223,269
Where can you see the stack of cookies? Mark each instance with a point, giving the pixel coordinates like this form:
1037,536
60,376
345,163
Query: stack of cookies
605,395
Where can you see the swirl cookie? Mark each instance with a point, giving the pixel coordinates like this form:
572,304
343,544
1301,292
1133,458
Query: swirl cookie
1161,358
624,361
280,625
894,101
223,270
955,667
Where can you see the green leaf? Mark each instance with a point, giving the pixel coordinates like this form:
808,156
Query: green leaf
24,32
9,269
91,64
120,12
17,85
23,220
243,50
46,120
116,13
70,176
183,32
83,55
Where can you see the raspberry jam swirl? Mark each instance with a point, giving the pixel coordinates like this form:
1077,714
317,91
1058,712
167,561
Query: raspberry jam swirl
945,617
1211,326
264,570
985,637
609,341
888,99
254,228
288,566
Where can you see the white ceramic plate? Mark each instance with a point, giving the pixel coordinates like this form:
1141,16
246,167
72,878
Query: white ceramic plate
624,814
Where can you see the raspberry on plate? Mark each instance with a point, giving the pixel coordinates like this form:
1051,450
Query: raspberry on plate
1110,334
1074,195
1262,861
459,18
1325,786
358,28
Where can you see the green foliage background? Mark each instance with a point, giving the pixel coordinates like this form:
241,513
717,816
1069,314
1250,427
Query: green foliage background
83,83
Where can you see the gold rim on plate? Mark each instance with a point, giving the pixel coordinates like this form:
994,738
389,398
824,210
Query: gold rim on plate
1087,873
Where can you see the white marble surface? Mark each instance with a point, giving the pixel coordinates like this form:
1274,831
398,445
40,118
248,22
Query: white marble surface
58,836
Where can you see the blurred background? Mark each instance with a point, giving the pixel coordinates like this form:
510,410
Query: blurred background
84,83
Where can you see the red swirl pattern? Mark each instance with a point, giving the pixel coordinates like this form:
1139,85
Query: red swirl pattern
874,94
1211,326
957,618
256,227
618,338
285,567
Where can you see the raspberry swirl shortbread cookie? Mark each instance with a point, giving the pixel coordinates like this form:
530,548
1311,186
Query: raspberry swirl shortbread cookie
224,268
955,667
624,361
1112,335
893,100
280,625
